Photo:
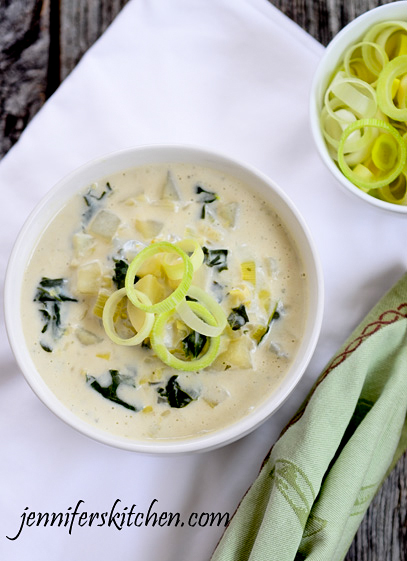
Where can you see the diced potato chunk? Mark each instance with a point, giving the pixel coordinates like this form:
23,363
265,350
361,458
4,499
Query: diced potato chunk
87,337
237,355
82,244
239,295
89,278
170,190
214,395
152,288
228,214
104,225
149,228
209,232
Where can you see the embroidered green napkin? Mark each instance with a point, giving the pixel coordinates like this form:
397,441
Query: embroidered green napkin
319,478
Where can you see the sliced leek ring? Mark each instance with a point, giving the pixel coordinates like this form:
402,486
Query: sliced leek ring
196,323
176,296
173,265
157,339
109,323
395,68
381,179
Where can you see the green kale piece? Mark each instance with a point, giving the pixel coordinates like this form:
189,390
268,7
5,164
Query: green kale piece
193,344
93,199
52,290
205,197
216,258
110,392
173,393
51,293
120,271
238,317
275,314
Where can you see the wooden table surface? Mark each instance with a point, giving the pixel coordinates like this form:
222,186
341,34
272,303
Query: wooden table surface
40,43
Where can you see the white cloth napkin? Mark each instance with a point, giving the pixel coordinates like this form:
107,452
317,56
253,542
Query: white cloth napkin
232,76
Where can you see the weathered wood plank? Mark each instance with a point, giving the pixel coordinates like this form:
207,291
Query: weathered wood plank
24,47
81,23
324,18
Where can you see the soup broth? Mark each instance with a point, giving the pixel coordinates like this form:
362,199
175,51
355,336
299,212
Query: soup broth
251,268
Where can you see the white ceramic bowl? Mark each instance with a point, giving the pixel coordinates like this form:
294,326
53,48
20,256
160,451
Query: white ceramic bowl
121,161
333,54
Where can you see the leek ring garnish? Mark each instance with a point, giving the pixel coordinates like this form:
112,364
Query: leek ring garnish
109,323
157,338
396,192
380,179
355,94
391,71
174,268
193,320
176,296
367,59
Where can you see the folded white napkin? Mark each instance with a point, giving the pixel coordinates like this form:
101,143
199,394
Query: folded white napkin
232,76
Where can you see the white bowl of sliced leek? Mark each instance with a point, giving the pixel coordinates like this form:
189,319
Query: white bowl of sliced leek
358,107
164,299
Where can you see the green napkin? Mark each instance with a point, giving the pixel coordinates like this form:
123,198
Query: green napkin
319,478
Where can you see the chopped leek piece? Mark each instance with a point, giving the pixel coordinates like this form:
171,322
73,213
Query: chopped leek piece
100,303
248,269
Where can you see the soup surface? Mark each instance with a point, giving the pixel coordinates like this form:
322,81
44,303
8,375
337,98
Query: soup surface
251,268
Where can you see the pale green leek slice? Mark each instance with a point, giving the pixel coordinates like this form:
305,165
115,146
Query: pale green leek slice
380,34
362,67
395,192
173,265
194,321
176,296
357,95
157,339
109,315
395,68
380,179
384,152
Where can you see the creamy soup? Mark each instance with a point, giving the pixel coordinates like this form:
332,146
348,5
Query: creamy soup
250,268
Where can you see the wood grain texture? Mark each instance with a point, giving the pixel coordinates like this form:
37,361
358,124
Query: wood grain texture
41,41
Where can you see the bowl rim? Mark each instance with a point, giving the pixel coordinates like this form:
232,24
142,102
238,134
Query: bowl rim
330,59
59,194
